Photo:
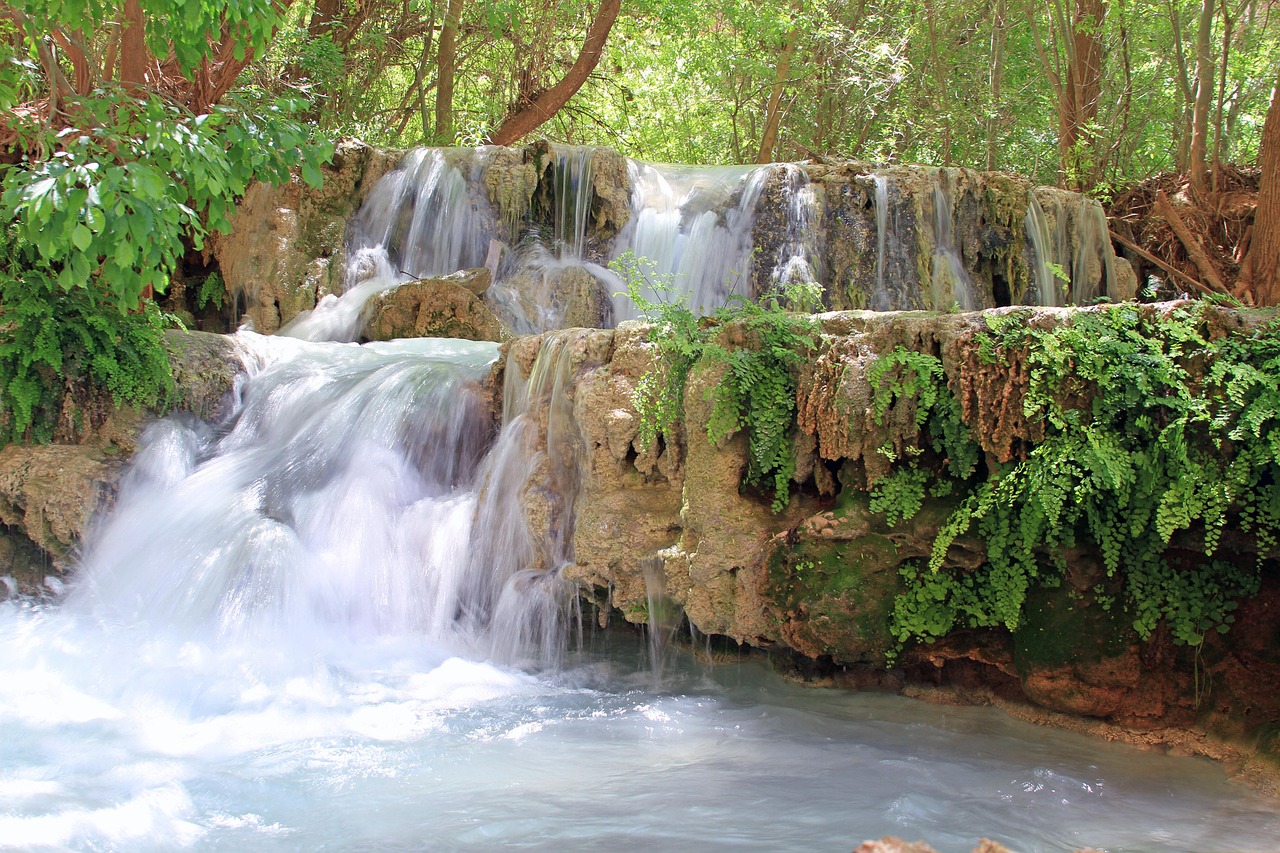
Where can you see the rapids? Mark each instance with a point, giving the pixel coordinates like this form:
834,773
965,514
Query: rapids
319,624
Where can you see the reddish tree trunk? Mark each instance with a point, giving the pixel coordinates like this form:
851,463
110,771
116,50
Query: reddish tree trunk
134,55
773,112
1261,274
544,106
1078,103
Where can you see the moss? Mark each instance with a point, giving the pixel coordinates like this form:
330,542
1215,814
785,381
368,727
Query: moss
836,597
1061,627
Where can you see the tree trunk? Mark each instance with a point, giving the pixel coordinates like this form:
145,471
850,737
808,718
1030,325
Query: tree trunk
446,67
995,74
773,112
1261,274
133,48
1198,158
939,85
323,16
548,103
1081,91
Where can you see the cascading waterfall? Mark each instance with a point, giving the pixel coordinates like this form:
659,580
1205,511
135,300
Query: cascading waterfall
573,168
534,470
694,225
337,619
1046,280
339,499
796,258
951,282
881,300
1094,260
429,217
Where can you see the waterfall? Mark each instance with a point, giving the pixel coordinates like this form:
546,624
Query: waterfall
1045,268
525,520
881,300
430,216
695,225
572,170
951,282
796,257
425,218
354,491
1093,246
338,498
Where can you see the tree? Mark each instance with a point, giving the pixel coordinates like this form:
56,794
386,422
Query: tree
536,107
119,161
1260,277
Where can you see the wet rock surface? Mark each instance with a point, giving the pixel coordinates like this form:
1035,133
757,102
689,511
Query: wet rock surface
434,308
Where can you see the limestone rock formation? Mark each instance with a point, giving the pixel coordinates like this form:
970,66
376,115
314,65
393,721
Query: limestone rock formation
49,493
435,308
672,521
287,245
873,237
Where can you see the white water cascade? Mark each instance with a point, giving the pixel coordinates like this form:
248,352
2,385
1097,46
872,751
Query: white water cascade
951,282
881,299
1048,289
694,224
337,620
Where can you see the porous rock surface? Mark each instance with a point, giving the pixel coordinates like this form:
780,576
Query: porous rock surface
818,579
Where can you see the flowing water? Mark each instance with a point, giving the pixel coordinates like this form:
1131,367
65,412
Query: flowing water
323,623
326,623
951,283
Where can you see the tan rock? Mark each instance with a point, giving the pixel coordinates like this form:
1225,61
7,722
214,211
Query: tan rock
435,308
286,247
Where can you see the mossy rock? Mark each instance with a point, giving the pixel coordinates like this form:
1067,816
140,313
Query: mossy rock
835,598
1061,626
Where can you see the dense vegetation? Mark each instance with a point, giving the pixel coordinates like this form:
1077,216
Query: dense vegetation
1160,432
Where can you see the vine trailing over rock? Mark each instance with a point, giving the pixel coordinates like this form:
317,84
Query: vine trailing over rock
1150,434
758,345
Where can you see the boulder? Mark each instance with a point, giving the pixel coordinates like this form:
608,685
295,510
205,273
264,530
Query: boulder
433,308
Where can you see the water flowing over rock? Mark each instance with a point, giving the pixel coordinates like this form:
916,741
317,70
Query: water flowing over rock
546,220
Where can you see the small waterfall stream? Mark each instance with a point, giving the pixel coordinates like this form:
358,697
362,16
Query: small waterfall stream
951,282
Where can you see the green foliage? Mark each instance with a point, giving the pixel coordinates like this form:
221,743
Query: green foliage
674,331
757,389
117,204
905,377
54,341
900,495
1160,432
212,291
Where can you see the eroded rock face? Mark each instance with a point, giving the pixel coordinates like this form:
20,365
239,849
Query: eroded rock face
286,247
820,577
873,237
49,493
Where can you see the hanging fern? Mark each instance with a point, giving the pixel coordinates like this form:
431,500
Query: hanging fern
757,389
1154,429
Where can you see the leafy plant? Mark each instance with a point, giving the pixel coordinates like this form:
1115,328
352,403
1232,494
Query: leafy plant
54,341
757,389
1156,427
